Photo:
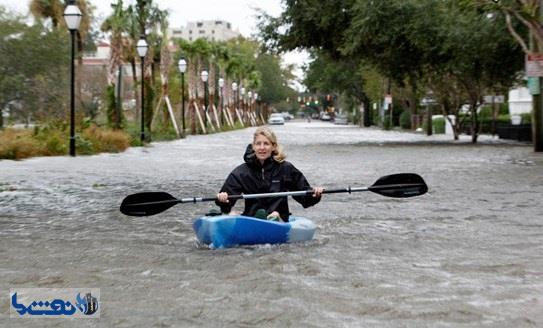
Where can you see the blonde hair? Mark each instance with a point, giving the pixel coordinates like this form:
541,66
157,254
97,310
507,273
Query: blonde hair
278,154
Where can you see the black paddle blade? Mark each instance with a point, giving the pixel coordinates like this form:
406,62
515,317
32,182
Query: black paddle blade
400,185
147,203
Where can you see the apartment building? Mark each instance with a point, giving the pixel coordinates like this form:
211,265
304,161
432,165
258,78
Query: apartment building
212,30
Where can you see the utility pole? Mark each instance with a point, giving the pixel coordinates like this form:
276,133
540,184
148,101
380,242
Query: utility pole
537,110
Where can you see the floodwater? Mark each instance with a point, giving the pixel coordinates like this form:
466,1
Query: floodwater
469,253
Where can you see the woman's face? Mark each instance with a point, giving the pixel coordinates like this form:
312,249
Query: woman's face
263,147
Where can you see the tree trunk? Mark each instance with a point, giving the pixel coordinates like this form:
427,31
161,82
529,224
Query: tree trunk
474,123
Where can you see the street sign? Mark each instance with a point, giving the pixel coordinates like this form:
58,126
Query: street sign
533,85
534,65
497,99
388,99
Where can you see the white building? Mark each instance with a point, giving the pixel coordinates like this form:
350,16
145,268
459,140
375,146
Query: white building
212,30
520,102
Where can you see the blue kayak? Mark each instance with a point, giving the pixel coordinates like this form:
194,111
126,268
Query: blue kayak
232,230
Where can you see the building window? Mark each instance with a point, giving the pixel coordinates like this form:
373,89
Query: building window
212,31
200,24
201,31
229,26
190,31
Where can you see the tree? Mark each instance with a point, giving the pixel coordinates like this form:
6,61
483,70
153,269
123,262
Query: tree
149,18
481,58
328,76
30,64
376,32
43,10
274,87
402,40
115,24
521,15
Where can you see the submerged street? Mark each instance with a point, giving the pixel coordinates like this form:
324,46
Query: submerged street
468,253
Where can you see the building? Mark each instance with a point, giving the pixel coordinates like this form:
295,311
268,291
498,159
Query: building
212,30
94,70
520,102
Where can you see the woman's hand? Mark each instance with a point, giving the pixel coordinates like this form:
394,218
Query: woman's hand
222,197
317,191
274,216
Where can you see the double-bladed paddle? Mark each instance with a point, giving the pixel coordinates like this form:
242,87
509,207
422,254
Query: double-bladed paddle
401,185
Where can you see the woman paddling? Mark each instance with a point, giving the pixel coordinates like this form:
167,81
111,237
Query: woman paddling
265,170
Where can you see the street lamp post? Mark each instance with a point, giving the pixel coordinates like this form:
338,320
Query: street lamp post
257,112
242,92
234,89
142,48
204,75
250,104
221,86
182,64
72,16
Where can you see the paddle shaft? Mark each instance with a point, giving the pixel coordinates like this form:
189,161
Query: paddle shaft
325,191
280,194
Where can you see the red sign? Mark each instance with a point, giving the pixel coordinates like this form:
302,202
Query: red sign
534,65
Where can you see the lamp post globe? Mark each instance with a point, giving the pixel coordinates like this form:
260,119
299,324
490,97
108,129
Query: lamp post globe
72,17
142,48
182,64
204,75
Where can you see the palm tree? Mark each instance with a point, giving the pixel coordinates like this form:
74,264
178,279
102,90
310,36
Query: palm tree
149,18
43,9
114,24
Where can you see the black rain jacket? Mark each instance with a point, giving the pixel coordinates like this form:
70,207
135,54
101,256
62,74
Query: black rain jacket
254,178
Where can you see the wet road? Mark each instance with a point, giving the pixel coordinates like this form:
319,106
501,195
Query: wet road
467,254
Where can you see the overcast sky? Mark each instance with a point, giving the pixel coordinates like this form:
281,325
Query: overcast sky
240,13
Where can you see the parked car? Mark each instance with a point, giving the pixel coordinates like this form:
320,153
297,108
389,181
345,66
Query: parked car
325,117
341,119
287,116
276,119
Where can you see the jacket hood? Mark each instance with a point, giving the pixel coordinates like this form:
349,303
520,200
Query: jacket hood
250,157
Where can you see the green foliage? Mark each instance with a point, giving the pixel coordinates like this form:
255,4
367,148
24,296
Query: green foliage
51,139
405,119
526,118
31,66
421,46
111,104
164,133
485,112
55,144
273,88
386,123
438,125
